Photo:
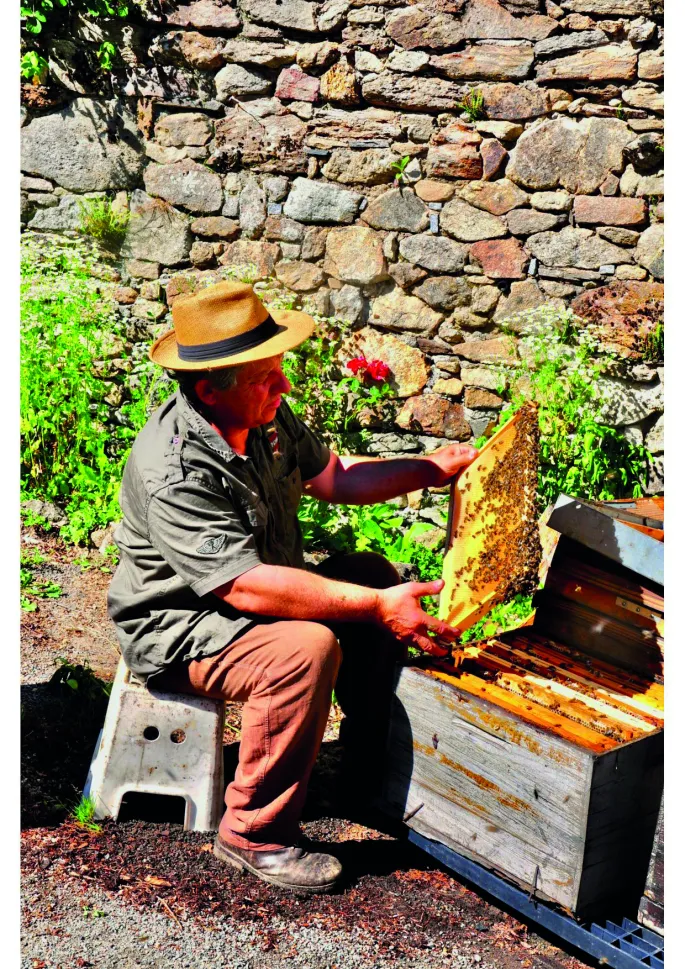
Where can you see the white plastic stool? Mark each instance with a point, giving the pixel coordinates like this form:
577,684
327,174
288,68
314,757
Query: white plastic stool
159,743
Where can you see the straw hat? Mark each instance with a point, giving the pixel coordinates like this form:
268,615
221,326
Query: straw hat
225,325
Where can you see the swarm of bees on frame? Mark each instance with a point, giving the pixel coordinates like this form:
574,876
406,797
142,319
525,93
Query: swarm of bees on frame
508,515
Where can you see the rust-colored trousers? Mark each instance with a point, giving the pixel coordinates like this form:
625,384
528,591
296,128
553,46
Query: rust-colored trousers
284,671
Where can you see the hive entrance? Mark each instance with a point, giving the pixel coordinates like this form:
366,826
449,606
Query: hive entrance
493,543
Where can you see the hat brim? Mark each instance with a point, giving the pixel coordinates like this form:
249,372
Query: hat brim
294,328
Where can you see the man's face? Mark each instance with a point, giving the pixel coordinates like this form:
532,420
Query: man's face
254,399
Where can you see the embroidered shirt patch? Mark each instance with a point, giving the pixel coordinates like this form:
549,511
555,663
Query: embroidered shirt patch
212,545
272,436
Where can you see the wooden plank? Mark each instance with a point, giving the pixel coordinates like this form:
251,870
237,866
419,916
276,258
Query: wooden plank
654,886
622,815
569,673
571,584
523,677
630,686
512,795
651,912
610,537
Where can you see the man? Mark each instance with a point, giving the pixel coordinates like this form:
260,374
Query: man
212,596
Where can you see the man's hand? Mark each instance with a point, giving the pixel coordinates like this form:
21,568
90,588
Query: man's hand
399,611
451,460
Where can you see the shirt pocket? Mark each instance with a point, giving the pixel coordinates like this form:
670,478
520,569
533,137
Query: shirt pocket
289,485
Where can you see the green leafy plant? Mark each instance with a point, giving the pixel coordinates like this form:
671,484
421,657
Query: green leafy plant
42,19
91,912
579,454
80,679
473,105
375,528
31,587
399,168
326,397
106,55
506,615
83,814
33,67
103,221
71,450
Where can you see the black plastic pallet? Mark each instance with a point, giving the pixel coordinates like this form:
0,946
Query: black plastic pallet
625,946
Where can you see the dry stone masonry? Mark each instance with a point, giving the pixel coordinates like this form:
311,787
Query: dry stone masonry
269,133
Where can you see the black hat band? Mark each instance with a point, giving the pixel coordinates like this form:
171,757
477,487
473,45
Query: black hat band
207,352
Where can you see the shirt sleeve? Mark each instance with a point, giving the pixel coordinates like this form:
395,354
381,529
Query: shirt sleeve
312,454
199,534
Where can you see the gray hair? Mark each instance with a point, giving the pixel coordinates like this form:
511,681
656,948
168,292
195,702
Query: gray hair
221,379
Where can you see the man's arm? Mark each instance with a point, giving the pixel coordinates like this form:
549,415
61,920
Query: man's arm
276,590
364,481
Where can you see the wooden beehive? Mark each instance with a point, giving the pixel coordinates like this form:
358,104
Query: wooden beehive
651,911
541,755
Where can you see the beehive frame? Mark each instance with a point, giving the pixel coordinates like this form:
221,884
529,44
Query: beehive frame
493,544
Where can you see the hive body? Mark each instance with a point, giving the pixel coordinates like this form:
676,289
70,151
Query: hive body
540,755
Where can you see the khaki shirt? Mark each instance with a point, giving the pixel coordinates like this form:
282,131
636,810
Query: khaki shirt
195,515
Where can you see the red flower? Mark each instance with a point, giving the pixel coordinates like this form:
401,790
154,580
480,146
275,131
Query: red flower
357,364
378,370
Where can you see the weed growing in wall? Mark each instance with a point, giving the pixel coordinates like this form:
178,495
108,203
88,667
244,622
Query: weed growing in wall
103,221
399,167
473,105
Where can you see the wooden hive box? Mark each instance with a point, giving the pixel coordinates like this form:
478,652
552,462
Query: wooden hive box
651,911
541,755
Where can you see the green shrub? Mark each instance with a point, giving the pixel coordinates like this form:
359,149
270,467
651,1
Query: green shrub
326,395
70,454
579,455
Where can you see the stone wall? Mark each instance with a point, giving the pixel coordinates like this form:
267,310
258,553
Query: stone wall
266,133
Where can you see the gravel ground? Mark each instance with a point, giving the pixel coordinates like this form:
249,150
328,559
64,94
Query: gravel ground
142,892
65,935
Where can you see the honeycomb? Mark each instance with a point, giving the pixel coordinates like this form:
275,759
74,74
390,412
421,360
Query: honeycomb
494,546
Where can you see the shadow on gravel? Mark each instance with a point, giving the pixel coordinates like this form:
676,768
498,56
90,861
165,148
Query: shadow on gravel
60,722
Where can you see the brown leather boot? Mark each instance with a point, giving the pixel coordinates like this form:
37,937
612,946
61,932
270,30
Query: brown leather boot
292,868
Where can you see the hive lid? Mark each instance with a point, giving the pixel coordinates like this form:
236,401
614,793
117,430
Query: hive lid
597,528
493,543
